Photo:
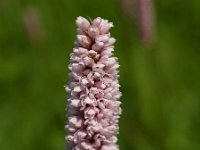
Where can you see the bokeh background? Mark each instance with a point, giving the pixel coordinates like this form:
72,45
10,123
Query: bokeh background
159,76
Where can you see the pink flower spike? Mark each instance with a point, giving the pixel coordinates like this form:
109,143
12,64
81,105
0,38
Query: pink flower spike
93,90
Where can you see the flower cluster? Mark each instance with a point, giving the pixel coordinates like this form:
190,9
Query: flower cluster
93,90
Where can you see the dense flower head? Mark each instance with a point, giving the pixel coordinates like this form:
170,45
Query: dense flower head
93,90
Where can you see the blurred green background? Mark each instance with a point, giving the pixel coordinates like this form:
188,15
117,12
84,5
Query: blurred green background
160,83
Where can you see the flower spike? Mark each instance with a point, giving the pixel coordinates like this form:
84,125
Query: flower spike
93,90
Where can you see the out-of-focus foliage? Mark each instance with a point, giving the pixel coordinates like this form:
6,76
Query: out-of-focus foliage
160,85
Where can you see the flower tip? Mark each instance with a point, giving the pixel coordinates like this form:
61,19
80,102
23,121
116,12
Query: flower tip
82,23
